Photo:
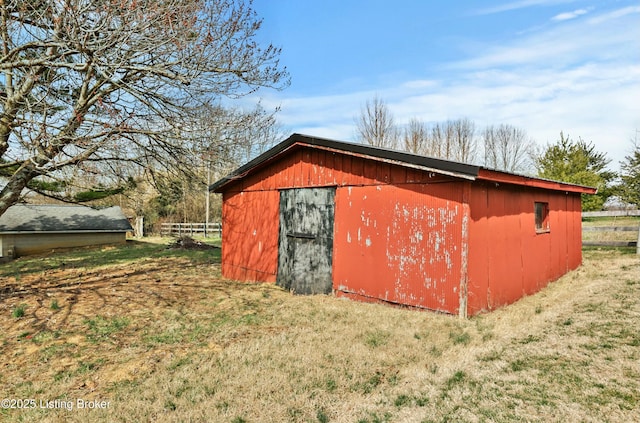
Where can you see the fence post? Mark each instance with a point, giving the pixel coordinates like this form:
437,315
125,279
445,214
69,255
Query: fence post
638,242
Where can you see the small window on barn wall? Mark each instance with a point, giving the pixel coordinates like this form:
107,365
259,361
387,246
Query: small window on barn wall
542,217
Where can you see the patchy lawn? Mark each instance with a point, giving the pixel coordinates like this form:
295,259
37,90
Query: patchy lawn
152,333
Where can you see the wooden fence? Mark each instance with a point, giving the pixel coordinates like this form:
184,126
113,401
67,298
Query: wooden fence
190,229
612,213
612,229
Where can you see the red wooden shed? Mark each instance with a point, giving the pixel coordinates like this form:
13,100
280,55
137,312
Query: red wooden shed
318,216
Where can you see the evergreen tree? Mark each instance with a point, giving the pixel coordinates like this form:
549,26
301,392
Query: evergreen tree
629,189
577,162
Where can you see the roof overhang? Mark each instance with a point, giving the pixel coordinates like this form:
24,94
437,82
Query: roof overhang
400,158
529,181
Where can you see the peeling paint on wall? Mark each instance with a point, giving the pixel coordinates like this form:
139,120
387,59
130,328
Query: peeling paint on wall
416,234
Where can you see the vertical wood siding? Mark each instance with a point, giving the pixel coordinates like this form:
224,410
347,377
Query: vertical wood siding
507,258
301,168
250,235
400,233
414,241
305,245
400,244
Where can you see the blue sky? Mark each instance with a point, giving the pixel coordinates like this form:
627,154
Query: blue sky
542,65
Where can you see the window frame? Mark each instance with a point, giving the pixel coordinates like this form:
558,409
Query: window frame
541,216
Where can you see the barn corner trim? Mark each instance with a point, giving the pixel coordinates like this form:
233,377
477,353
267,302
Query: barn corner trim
464,253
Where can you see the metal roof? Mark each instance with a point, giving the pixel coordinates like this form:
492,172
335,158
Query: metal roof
399,157
21,218
402,158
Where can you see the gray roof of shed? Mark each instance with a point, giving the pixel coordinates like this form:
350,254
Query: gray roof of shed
67,218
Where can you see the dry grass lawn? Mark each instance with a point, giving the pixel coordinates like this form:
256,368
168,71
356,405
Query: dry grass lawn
611,222
160,336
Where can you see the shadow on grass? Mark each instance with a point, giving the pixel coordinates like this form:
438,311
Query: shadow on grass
92,257
112,277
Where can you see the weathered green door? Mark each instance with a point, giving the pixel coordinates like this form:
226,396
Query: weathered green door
306,240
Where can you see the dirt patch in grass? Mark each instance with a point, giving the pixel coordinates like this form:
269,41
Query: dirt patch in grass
188,243
161,336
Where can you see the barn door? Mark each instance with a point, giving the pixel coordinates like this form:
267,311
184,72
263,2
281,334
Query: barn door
306,240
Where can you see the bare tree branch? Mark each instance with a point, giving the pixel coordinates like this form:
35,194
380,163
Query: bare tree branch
84,81
507,148
375,124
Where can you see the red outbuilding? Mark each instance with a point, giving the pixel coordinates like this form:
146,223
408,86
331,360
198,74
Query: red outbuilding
316,215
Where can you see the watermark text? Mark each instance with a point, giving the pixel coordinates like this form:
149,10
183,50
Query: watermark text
54,404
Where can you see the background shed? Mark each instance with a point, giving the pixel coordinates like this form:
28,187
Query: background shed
319,216
29,229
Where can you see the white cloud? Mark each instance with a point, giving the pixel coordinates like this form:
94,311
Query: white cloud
616,14
564,44
580,76
595,102
522,4
570,15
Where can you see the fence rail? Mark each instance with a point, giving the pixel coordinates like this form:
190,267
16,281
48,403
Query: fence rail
610,229
614,229
611,213
191,229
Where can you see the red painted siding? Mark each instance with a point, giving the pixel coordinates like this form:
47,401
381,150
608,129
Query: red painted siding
408,236
400,244
300,169
417,252
508,258
250,246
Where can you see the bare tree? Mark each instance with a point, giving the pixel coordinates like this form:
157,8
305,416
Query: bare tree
375,125
219,139
227,137
453,140
507,148
464,140
416,137
86,82
440,141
